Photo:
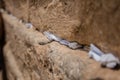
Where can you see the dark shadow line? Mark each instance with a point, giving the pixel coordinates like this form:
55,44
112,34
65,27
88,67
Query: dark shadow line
2,43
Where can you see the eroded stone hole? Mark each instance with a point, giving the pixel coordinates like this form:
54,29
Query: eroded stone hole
51,70
46,63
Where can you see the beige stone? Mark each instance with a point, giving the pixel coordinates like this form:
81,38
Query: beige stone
83,21
48,61
30,55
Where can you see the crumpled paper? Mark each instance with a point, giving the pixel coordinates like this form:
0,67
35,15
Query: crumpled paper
106,59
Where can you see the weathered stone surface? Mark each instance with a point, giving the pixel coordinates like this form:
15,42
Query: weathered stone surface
18,8
84,21
30,55
26,61
47,61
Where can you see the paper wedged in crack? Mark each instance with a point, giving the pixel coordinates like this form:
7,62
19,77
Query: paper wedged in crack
95,49
51,36
109,60
64,42
74,45
95,53
94,56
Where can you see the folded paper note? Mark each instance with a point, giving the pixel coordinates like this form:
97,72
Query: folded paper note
108,59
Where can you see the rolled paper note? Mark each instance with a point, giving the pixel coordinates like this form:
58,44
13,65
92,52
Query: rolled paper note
74,45
51,36
93,48
111,65
64,42
109,60
94,56
95,53
48,35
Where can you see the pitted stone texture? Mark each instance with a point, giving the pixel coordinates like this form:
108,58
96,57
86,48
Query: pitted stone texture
35,61
75,20
46,62
19,8
30,36
84,21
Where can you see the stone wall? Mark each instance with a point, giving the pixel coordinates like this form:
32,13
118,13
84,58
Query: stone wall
26,59
30,55
76,20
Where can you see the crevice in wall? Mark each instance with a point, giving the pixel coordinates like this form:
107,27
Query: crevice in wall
2,43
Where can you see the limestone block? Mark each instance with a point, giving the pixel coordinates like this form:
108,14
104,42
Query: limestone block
84,21
29,55
18,8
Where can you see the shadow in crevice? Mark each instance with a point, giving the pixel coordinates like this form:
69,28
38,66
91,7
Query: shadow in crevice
2,42
98,78
117,67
